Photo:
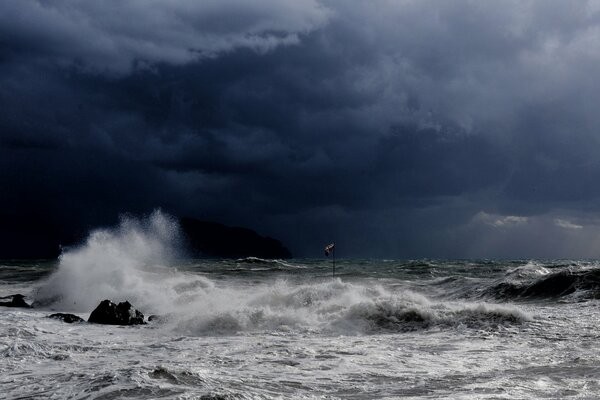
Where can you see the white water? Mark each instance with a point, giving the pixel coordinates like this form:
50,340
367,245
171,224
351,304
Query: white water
46,358
127,262
252,330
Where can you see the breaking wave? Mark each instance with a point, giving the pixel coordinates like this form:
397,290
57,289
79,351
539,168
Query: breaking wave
570,282
332,307
127,262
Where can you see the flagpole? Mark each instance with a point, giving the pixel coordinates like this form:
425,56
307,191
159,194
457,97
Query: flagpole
333,259
330,248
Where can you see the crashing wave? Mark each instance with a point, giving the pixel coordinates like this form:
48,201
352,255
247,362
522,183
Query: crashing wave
585,283
338,307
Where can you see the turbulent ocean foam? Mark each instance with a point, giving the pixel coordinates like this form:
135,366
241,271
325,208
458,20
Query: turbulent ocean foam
262,329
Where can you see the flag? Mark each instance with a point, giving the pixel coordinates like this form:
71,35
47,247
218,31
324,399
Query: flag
329,248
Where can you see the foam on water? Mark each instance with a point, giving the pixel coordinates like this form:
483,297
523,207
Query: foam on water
531,269
328,307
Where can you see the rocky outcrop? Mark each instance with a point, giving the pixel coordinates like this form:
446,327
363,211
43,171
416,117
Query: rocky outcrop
110,313
16,300
68,318
211,239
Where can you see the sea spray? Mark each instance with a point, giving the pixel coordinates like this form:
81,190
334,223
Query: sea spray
123,263
331,306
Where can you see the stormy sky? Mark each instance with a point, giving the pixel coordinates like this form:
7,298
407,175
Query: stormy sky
396,128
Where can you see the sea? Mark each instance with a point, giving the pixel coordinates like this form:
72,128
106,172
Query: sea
290,329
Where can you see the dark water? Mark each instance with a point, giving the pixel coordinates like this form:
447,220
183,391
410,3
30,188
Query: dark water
492,279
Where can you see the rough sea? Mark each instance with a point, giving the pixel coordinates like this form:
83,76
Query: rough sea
287,329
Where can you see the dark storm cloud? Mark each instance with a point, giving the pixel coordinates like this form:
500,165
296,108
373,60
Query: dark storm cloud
401,128
116,36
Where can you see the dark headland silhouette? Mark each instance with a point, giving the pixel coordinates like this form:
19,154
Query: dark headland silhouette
212,239
200,238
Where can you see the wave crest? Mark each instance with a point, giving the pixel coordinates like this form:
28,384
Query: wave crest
335,307
581,283
124,263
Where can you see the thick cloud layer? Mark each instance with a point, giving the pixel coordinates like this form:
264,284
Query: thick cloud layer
397,128
117,36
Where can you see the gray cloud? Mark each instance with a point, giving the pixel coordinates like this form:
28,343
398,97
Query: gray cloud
392,126
116,36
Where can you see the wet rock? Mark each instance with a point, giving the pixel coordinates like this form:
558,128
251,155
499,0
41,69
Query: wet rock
156,318
16,300
68,318
110,313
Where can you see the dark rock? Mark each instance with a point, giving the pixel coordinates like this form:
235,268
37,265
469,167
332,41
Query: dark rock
156,318
68,318
16,300
110,313
216,240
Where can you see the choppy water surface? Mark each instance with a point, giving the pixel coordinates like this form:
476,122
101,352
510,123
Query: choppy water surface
258,329
264,329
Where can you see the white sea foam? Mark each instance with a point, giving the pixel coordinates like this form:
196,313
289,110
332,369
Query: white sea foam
328,307
531,269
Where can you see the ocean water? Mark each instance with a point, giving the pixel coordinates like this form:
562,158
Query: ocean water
274,329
